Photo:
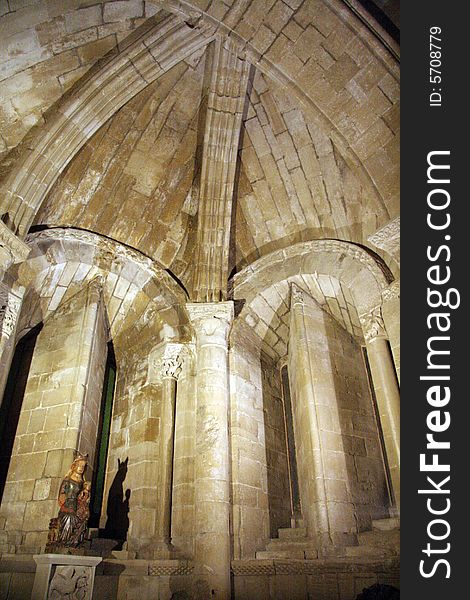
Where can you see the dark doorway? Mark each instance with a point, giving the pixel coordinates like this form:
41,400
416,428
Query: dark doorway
101,454
296,510
13,399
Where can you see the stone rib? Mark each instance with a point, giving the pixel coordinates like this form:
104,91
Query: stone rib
220,149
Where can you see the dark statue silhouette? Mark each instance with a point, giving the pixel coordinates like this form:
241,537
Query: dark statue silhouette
117,510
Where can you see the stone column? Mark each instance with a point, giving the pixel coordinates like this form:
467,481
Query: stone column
384,379
171,364
211,322
12,251
310,462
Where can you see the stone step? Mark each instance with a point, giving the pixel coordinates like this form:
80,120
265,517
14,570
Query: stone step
304,549
291,544
389,540
289,533
386,524
271,554
367,552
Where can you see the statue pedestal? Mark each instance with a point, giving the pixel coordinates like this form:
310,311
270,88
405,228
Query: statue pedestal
58,575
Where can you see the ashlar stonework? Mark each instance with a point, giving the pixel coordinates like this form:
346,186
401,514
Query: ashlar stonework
199,289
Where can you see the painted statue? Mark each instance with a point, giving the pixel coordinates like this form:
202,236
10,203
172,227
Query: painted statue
69,528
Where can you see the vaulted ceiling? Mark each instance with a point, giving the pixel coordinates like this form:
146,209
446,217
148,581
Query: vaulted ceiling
279,124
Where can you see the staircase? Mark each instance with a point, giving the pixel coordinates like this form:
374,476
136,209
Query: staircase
383,541
291,543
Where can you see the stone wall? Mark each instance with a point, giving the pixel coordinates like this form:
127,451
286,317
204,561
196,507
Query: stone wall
250,486
133,456
319,580
59,414
360,439
341,474
253,580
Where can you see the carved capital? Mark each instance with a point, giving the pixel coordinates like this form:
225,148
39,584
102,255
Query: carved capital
9,310
171,362
12,249
211,321
166,362
373,324
297,295
301,298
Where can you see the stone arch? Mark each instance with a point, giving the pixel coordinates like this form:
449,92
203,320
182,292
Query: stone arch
127,276
331,354
365,274
88,289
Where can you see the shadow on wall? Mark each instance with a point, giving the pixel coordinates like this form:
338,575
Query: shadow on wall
117,510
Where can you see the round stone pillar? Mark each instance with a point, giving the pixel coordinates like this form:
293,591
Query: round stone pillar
212,322
170,368
387,393
306,342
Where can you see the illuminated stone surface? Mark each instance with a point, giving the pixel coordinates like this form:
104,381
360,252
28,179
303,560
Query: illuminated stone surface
212,187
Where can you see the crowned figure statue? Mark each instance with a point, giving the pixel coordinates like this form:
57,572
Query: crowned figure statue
67,531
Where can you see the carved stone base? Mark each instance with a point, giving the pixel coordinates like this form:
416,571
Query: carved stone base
60,576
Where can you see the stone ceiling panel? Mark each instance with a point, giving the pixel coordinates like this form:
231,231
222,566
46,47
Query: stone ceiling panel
47,46
130,181
329,60
295,184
